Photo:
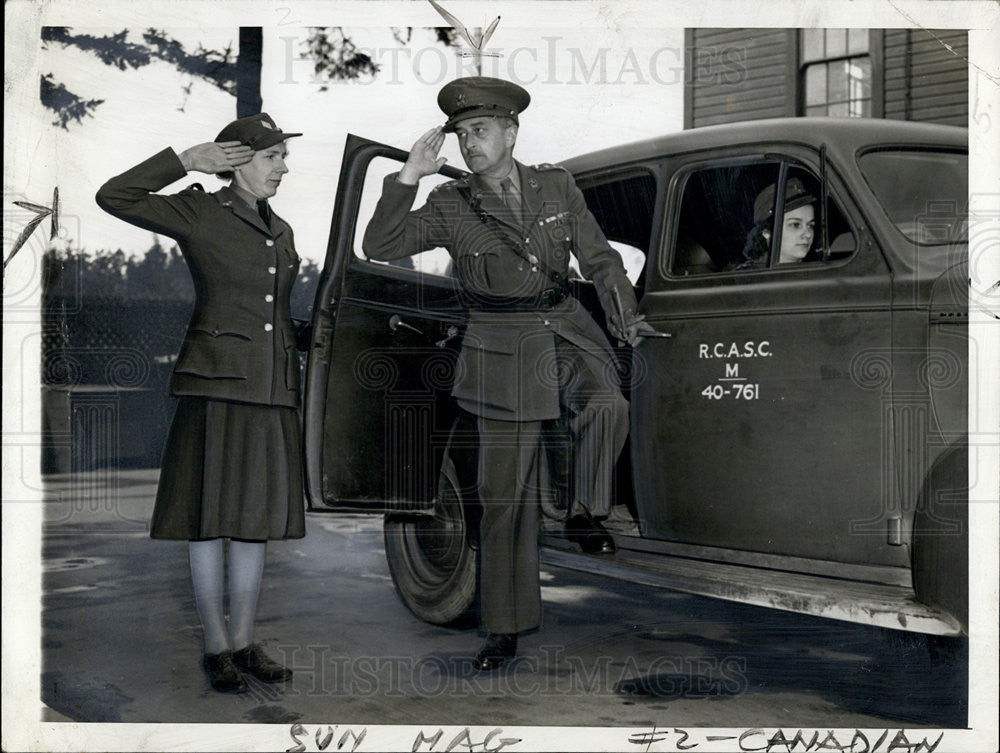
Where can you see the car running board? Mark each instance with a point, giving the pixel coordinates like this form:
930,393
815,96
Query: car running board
882,605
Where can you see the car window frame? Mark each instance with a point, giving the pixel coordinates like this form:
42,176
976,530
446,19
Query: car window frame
783,157
358,264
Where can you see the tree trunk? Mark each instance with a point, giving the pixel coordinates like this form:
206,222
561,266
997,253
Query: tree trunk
248,100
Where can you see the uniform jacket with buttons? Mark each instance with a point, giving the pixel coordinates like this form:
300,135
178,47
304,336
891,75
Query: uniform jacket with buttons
506,368
240,342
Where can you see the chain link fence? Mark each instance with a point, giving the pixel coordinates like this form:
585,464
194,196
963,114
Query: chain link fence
108,348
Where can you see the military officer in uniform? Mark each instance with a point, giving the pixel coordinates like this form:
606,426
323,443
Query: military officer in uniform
232,469
531,355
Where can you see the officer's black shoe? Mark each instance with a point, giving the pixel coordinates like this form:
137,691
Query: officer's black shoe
496,649
588,532
255,662
223,674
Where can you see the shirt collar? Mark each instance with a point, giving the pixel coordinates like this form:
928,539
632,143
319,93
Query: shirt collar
494,186
245,196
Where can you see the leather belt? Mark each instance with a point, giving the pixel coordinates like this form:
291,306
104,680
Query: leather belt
546,299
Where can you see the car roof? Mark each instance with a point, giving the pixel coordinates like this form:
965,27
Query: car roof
844,136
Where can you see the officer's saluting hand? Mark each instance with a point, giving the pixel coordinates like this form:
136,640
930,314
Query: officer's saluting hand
423,159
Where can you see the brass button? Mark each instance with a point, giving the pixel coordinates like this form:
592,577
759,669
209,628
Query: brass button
268,297
272,270
268,327
268,242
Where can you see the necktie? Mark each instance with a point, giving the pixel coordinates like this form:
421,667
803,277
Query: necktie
264,211
509,197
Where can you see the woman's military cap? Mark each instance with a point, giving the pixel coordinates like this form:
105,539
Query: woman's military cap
255,131
795,196
474,96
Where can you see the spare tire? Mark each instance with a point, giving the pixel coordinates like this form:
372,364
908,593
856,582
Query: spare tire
430,560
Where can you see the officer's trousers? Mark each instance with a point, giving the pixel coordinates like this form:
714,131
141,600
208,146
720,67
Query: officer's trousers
513,474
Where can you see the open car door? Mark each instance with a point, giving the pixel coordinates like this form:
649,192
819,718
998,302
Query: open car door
377,412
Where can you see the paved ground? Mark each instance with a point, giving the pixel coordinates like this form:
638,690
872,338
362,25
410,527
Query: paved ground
121,643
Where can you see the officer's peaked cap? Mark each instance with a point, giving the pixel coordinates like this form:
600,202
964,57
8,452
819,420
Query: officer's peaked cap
475,96
255,131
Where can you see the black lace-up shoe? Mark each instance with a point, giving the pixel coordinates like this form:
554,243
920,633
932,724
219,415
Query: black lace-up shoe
254,661
223,674
497,649
588,532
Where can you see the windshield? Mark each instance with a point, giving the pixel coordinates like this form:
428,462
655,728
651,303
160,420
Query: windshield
924,193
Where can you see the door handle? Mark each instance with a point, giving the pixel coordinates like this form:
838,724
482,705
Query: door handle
396,321
450,335
652,333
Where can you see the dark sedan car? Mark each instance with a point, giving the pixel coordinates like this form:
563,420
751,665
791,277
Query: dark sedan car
799,439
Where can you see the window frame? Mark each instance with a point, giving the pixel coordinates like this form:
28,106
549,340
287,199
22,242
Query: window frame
875,56
365,265
784,159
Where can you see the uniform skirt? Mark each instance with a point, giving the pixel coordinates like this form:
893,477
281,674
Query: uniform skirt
230,470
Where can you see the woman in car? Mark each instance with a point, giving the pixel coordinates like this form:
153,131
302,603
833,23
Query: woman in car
798,227
231,469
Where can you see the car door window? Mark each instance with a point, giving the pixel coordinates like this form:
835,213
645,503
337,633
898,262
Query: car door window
734,219
435,261
623,205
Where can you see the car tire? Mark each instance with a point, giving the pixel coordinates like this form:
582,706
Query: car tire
948,650
939,555
432,565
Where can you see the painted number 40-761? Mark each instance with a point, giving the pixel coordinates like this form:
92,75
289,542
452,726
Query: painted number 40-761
735,391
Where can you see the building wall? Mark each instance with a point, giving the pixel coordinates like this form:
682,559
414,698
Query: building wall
749,74
922,79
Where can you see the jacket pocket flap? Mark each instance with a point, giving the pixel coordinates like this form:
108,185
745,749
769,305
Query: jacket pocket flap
494,339
204,329
214,356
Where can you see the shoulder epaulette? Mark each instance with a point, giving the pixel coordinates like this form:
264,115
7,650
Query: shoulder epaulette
456,183
548,166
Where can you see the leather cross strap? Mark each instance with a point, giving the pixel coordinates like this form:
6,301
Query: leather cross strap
558,279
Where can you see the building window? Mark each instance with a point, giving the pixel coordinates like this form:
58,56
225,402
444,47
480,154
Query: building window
836,72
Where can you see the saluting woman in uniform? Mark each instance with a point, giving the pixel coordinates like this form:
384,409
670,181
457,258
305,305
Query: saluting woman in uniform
231,469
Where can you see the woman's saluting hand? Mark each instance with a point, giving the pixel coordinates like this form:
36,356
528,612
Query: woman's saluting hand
215,157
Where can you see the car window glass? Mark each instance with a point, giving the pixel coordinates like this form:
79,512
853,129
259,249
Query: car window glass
727,221
436,261
917,189
623,206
